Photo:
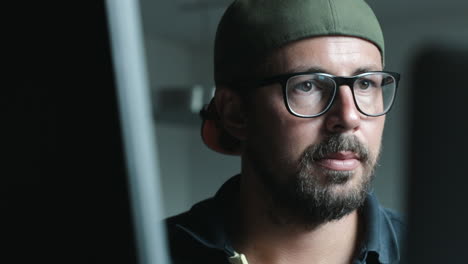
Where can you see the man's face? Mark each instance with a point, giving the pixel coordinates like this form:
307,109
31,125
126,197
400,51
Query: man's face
315,168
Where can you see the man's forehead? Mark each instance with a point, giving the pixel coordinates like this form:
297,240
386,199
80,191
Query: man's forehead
325,54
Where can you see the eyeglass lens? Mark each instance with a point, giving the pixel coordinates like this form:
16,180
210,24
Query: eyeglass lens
311,94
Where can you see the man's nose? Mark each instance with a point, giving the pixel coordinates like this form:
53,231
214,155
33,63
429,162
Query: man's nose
343,115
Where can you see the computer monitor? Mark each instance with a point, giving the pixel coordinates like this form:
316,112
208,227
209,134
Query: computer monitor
69,178
438,178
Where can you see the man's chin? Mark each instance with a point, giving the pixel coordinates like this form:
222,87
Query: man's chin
327,177
341,183
327,195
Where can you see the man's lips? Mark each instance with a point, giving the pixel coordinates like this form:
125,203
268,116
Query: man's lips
340,161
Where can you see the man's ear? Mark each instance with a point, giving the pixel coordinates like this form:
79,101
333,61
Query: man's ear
231,111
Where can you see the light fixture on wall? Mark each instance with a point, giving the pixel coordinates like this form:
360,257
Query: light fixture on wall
180,104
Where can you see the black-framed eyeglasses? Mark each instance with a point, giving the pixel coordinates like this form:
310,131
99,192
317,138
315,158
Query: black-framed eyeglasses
311,94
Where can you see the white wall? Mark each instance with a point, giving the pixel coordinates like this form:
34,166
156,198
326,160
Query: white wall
169,64
189,171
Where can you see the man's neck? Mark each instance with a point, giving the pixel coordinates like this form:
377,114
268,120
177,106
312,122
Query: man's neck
264,240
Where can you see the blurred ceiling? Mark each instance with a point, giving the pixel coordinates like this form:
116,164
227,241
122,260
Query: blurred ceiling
194,21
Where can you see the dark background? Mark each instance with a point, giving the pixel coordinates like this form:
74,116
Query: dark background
437,182
63,193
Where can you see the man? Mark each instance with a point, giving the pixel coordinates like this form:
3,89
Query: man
301,97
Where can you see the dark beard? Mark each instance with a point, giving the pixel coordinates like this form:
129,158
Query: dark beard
306,199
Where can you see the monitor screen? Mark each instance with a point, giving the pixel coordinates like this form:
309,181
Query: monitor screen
437,213
65,192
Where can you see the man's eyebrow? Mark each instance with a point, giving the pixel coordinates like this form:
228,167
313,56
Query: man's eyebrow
306,69
321,70
365,69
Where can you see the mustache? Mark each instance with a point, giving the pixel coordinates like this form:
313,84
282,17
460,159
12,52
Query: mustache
336,143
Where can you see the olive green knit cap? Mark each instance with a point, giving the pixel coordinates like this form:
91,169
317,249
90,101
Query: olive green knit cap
251,29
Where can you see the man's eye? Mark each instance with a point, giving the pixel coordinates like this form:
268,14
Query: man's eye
387,81
365,84
306,86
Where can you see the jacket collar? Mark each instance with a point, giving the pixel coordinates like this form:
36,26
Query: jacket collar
207,220
206,223
381,236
